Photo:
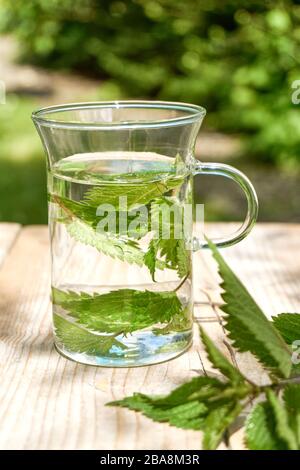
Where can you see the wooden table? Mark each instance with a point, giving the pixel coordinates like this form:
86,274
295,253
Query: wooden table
48,402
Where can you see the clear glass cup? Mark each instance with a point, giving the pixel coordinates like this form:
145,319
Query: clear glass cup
120,191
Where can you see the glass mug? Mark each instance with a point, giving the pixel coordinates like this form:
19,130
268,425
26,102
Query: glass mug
120,180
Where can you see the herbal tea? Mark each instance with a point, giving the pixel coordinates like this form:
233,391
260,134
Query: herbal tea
121,227
121,262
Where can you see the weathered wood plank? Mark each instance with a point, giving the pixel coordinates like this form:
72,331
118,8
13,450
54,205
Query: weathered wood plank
47,402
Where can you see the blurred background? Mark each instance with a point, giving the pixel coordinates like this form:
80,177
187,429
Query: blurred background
238,59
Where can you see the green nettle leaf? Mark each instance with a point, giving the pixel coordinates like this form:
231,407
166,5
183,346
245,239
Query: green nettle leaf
247,325
76,339
185,415
217,422
291,397
72,208
81,223
137,194
183,259
168,242
260,429
124,310
181,408
119,241
288,324
150,257
201,388
174,254
275,423
88,215
193,405
116,247
282,426
182,321
219,361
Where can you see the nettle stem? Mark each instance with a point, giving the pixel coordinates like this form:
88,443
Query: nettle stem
276,386
281,384
182,282
57,200
118,334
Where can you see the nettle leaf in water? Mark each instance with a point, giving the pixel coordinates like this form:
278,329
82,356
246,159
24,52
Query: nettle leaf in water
116,247
121,248
181,321
171,252
117,239
150,257
76,339
137,194
168,243
120,311
115,222
183,259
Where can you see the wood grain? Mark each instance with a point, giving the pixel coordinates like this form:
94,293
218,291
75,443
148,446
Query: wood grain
48,402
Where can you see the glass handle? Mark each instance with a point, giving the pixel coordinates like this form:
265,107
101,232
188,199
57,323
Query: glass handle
246,185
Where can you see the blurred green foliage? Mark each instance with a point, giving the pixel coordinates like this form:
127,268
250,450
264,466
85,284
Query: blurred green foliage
22,168
235,57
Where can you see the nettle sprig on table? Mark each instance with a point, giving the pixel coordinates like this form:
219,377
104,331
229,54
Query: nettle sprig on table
212,405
